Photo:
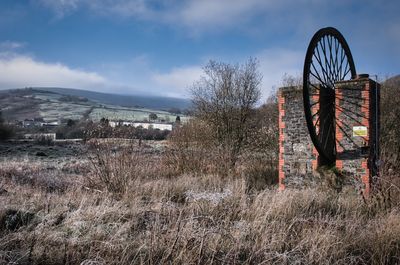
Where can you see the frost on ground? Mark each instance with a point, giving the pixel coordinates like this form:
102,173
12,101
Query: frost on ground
210,196
51,214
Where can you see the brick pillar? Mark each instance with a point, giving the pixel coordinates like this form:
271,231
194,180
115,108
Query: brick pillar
314,109
296,156
281,102
355,129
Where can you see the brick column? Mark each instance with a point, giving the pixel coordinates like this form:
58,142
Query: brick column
281,102
355,109
296,157
314,109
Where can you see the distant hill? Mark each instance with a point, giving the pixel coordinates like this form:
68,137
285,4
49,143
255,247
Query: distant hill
152,102
57,104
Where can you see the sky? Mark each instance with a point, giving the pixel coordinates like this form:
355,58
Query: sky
158,47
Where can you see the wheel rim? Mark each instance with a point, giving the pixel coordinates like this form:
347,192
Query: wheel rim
328,60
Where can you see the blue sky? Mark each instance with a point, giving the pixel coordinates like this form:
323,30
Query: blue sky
159,47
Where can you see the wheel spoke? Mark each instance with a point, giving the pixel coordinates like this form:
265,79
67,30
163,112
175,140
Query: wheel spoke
349,97
351,117
331,62
348,70
315,114
316,71
317,122
353,103
339,143
336,59
317,77
352,112
321,66
343,56
328,61
314,86
347,135
315,103
349,128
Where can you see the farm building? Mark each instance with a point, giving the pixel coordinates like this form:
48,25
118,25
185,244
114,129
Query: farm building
145,125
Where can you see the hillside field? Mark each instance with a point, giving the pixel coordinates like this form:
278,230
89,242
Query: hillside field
51,106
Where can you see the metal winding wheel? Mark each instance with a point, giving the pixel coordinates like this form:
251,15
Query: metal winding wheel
327,61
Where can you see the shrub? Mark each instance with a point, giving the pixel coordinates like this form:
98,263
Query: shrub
116,166
225,99
193,149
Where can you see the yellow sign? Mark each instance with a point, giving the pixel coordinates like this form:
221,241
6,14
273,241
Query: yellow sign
360,131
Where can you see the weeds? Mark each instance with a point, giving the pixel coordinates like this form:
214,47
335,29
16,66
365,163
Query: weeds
186,218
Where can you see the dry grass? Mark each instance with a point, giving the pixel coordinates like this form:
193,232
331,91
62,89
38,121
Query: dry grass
169,217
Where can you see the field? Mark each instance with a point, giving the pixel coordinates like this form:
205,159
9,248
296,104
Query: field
114,202
128,114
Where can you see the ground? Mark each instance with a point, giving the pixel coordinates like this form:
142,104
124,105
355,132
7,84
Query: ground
115,202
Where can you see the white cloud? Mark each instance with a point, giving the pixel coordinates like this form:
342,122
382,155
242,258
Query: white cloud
124,8
23,71
196,15
61,7
135,76
178,80
268,17
275,63
221,13
11,45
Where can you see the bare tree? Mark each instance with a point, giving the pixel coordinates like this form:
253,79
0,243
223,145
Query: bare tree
264,137
225,99
390,116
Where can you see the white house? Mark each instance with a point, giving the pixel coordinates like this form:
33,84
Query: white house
144,125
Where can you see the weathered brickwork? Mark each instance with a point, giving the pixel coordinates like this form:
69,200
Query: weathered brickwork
355,106
281,103
297,156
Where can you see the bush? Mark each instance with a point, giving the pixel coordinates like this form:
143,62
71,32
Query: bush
112,170
190,148
116,166
225,99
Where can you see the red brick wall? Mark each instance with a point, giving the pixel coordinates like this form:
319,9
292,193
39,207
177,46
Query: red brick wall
281,103
357,113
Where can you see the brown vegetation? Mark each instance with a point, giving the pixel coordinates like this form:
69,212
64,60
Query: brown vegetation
126,206
390,117
224,99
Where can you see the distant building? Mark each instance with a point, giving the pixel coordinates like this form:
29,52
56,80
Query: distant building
144,125
35,136
38,122
50,124
148,125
